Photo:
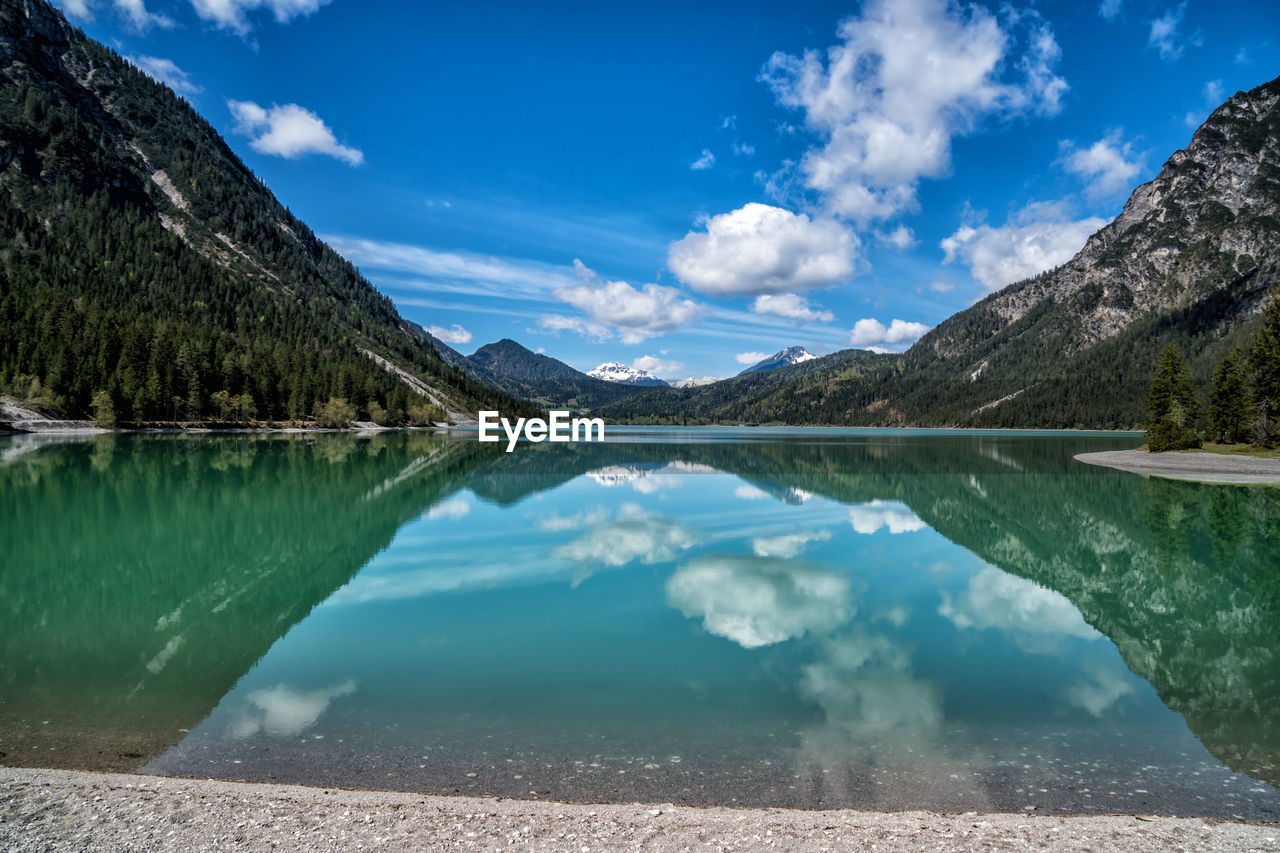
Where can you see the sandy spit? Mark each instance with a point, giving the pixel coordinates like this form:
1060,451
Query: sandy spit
61,810
1198,467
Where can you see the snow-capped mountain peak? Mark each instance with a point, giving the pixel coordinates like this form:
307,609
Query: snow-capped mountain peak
616,371
782,358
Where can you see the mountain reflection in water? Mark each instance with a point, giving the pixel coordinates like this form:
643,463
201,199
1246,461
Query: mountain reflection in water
802,617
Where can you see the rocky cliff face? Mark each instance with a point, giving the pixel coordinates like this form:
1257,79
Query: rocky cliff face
1208,223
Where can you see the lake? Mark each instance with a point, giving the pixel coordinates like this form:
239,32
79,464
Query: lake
809,618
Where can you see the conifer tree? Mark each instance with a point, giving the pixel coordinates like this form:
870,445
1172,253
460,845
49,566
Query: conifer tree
1229,411
1172,403
1264,373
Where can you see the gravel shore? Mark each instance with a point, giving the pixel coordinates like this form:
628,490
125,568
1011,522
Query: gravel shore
1198,467
61,810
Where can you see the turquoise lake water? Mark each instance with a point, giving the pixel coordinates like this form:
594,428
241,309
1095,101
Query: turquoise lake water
810,618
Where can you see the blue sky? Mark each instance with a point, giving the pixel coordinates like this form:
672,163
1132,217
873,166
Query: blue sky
685,187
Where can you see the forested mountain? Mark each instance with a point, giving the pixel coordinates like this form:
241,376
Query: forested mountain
141,258
1189,261
786,394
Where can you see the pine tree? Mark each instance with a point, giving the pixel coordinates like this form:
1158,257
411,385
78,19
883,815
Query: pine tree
1229,411
1264,373
1172,403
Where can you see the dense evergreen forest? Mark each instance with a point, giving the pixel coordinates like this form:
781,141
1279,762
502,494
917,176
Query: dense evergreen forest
147,275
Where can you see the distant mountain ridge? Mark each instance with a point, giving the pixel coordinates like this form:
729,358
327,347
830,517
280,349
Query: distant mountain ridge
533,377
782,358
616,371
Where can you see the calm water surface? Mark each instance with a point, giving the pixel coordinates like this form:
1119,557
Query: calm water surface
810,618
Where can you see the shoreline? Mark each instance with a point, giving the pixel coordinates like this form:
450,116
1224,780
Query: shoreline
1215,468
74,810
87,428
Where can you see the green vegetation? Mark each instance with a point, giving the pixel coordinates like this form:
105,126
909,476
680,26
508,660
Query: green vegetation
1230,409
1264,375
337,413
1240,450
1244,403
1172,402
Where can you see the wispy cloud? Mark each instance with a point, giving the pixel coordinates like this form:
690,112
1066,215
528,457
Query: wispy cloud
1108,166
233,14
469,273
168,73
1166,36
454,335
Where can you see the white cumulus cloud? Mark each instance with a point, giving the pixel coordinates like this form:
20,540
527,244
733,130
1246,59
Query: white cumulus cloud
997,599
906,77
1040,237
635,535
634,313
1108,166
284,711
757,601
289,131
787,545
705,161
889,515
452,509
168,73
764,249
871,333
233,14
789,306
751,357
1101,691
454,335
655,365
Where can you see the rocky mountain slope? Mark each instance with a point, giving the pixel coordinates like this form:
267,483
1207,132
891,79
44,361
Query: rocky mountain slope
782,358
141,258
